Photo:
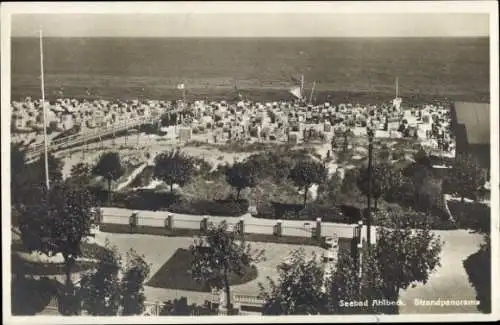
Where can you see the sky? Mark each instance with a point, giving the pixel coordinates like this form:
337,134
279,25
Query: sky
252,25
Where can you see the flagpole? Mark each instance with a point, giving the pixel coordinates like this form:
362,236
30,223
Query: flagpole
302,86
184,94
312,91
44,114
397,87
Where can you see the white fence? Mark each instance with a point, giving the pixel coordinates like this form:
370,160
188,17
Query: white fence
289,228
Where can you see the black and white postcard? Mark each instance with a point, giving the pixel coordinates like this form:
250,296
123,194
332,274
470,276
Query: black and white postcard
249,162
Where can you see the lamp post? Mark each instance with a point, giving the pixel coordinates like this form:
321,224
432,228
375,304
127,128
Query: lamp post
370,133
370,154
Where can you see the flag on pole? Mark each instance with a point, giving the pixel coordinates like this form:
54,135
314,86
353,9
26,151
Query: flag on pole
180,86
296,91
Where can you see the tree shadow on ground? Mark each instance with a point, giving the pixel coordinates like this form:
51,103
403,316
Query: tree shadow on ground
175,274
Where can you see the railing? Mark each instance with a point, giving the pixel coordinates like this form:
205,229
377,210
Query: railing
152,308
87,136
248,300
79,138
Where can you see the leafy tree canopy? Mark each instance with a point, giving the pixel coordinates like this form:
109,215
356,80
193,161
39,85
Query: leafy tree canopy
173,167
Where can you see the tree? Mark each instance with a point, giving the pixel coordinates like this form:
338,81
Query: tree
428,195
333,143
240,175
307,172
405,254
466,177
217,254
478,268
418,172
58,222
347,284
180,307
55,169
173,167
407,251
383,179
345,143
81,173
298,290
271,164
422,158
330,190
18,173
100,290
110,167
132,284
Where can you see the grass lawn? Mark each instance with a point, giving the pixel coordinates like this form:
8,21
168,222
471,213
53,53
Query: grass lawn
175,274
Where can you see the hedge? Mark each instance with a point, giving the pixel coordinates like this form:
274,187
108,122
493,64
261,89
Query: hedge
471,215
143,199
223,208
287,211
152,200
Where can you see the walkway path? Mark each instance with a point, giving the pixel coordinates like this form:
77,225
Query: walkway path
135,173
450,281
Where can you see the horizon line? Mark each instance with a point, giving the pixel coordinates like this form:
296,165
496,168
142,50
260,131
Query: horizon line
257,37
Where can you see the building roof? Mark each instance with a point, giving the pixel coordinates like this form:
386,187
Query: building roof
476,119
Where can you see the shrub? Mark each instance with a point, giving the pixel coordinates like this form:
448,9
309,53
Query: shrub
144,199
290,211
180,307
223,208
398,154
471,215
30,296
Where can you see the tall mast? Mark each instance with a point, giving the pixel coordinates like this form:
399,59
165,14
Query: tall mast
312,92
302,86
397,87
44,114
184,105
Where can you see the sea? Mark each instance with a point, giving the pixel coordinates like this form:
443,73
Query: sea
339,69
